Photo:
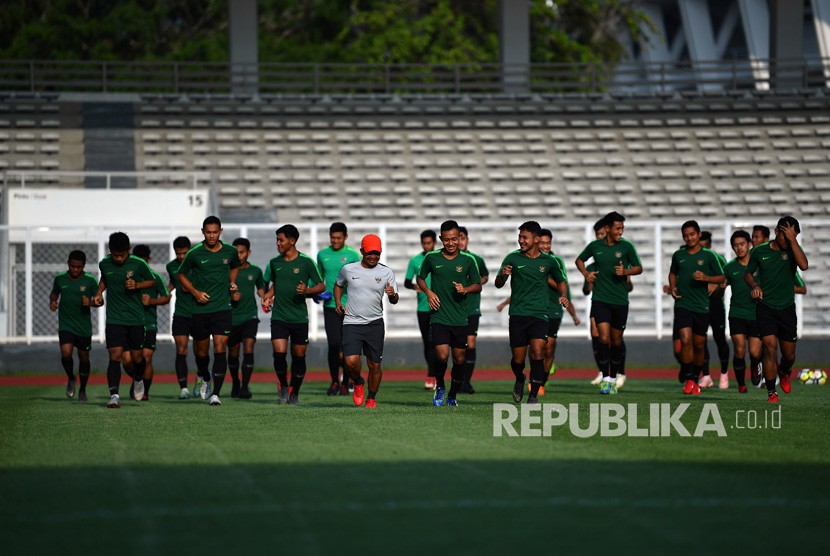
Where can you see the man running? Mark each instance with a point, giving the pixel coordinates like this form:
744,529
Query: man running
424,313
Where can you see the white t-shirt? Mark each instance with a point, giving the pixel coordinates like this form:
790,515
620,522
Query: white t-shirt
366,290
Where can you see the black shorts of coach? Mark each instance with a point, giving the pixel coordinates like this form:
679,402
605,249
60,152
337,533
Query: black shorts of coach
472,325
523,329
244,331
743,327
781,323
206,325
297,332
553,327
150,339
612,313
182,326
444,334
82,343
685,318
124,336
364,339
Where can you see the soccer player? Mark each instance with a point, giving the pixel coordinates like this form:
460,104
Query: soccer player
454,276
428,239
123,276
363,327
329,262
743,327
775,264
70,297
182,327
294,275
474,311
694,270
209,272
616,259
244,320
717,320
530,273
760,234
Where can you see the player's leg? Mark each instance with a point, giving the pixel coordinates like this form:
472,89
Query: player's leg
116,339
459,362
299,345
352,345
234,343
147,352
595,348
787,338
373,348
67,346
135,341
770,364
519,340
181,330
538,373
616,352
550,353
756,348
375,375
220,328
83,346
739,343
470,355
687,375
247,366
718,322
334,338
429,350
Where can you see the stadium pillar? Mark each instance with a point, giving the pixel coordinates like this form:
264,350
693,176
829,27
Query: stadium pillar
755,17
821,19
244,54
787,43
700,40
514,45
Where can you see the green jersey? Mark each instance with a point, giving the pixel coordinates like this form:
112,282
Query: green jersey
72,315
248,280
608,287
461,269
556,311
776,271
741,306
289,306
694,294
184,299
411,272
124,306
158,290
529,288
474,299
329,262
209,272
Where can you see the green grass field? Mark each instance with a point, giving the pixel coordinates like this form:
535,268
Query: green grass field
176,477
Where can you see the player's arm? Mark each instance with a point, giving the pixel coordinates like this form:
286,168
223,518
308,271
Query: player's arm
53,296
391,290
411,273
98,298
313,276
504,274
673,283
500,307
792,242
629,285
800,287
337,293
590,277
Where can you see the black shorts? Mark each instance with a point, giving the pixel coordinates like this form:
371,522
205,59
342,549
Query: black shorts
617,315
717,314
124,336
553,327
782,323
523,329
423,325
82,343
743,327
150,339
444,334
698,322
675,331
206,325
182,326
472,325
297,332
244,331
365,339
334,327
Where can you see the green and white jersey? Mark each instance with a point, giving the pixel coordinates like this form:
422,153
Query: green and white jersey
248,281
694,294
741,306
124,306
556,311
411,272
461,269
289,306
158,290
209,272
608,287
474,299
329,263
72,315
529,289
184,299
776,271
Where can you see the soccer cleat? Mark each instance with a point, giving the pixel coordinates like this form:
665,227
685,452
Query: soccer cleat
138,390
235,390
620,382
293,399
145,397
706,381
786,386
351,387
359,394
689,387
467,388
334,389
371,404
552,370
452,402
608,387
772,397
696,390
283,395
755,376
438,396
742,389
214,400
597,379
518,390
82,396
197,387
184,394
429,383
532,400
115,402
70,388
205,389
723,381
542,390
245,394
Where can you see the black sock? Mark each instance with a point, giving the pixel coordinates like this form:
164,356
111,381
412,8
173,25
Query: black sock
220,366
770,382
617,358
432,362
603,358
470,364
297,373
202,364
705,367
83,372
233,367
753,364
181,370
723,351
537,375
785,366
621,370
456,378
696,370
147,383
595,347
138,369
518,370
334,364
739,364
113,376
359,381
68,363
372,394
281,369
686,371
247,368
440,371
128,370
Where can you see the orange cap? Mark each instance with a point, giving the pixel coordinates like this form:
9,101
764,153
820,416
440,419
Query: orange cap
370,243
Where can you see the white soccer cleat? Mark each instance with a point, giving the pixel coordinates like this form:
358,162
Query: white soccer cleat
214,400
706,382
597,380
205,389
138,390
115,402
723,382
620,381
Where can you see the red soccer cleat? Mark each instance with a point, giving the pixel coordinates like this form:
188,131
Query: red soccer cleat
371,404
786,386
689,387
742,389
772,397
358,395
696,390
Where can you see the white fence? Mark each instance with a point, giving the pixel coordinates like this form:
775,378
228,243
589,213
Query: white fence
27,269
